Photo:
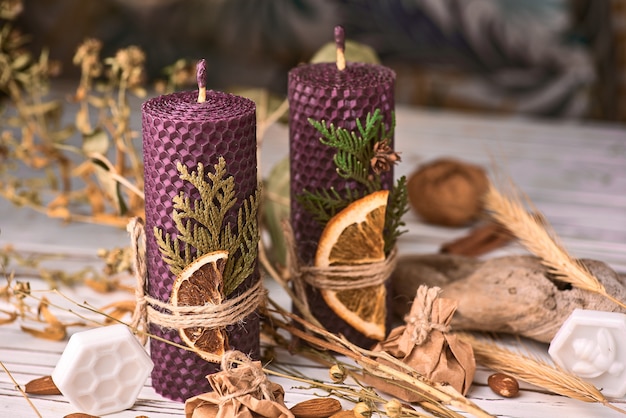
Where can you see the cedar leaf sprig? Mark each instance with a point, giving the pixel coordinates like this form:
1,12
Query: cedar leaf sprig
202,229
354,159
324,204
397,207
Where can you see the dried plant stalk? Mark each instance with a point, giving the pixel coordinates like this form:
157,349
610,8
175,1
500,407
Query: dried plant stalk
534,233
535,371
444,395
19,388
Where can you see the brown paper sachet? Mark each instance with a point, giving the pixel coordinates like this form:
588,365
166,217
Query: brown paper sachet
239,391
425,344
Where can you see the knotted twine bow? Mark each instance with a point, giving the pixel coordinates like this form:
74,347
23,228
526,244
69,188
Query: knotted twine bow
419,320
258,379
338,277
240,391
228,312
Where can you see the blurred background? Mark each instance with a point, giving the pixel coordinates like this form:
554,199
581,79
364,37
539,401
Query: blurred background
547,58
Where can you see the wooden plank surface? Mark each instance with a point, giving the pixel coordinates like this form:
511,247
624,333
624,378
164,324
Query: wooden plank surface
575,174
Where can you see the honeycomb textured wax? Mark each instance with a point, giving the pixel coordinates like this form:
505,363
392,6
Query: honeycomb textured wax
178,129
322,92
592,345
102,370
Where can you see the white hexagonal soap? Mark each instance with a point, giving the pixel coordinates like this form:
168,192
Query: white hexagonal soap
102,370
592,345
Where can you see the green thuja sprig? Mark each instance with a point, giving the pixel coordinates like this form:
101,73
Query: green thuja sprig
355,151
201,225
396,208
324,204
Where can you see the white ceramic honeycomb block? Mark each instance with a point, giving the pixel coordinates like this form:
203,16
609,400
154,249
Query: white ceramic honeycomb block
102,370
592,345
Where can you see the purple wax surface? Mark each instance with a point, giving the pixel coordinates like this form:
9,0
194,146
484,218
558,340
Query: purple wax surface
322,92
178,129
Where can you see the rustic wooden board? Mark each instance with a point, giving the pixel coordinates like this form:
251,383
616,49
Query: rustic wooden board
574,173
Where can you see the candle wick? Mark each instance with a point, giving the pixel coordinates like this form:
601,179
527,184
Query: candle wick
201,77
340,42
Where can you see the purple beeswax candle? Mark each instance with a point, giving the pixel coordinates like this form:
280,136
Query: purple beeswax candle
176,128
323,92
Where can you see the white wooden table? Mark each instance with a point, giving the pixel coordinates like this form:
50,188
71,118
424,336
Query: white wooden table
574,173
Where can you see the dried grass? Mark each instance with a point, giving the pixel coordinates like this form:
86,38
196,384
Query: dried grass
535,371
534,233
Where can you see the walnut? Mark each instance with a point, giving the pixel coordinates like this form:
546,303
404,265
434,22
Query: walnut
447,192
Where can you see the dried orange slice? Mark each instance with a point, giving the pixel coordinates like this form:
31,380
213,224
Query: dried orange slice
355,236
201,283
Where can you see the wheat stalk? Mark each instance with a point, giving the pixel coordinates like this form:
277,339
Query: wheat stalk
534,233
535,371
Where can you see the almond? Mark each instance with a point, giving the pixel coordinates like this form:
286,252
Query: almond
503,385
80,415
343,414
316,408
42,386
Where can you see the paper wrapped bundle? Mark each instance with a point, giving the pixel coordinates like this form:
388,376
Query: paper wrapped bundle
322,92
425,344
239,392
178,129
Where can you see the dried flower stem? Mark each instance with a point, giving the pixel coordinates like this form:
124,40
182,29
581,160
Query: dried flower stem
265,262
344,390
535,371
535,236
19,388
442,394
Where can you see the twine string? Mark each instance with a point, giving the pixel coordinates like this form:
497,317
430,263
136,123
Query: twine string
339,277
154,311
420,318
139,320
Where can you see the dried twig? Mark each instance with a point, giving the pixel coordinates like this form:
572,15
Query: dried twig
19,388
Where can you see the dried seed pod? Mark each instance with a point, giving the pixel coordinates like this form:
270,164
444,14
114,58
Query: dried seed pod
503,385
337,373
393,408
362,410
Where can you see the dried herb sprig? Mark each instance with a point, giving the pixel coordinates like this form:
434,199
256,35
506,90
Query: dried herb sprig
34,137
202,225
34,264
362,156
534,371
535,234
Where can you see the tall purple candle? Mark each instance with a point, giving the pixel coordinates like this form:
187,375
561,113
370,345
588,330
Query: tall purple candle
176,128
324,92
